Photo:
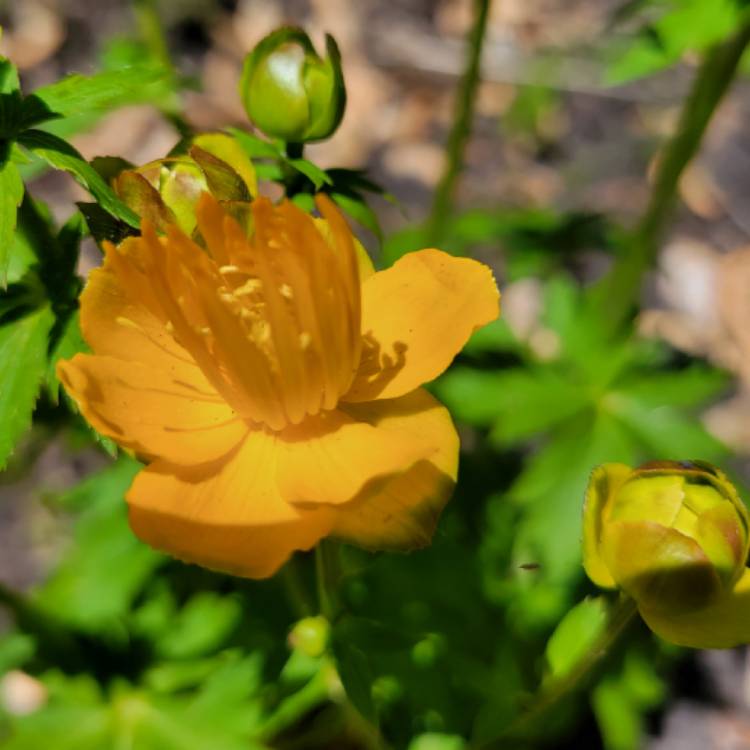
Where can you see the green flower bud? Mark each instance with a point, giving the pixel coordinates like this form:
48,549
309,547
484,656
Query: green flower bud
673,535
166,191
289,91
310,636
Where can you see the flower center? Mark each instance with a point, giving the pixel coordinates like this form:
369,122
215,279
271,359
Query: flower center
273,318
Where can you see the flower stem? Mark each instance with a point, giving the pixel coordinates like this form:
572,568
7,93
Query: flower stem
621,615
461,130
618,291
328,577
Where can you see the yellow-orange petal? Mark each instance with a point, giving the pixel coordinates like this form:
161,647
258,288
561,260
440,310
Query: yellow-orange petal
723,624
604,482
333,457
120,317
150,411
404,512
416,316
227,515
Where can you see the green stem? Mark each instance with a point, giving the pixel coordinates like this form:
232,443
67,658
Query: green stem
295,591
461,130
294,708
575,680
619,290
328,576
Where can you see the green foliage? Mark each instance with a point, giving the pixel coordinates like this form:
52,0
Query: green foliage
221,713
61,155
622,697
11,192
592,400
672,30
106,566
22,368
574,636
440,650
103,91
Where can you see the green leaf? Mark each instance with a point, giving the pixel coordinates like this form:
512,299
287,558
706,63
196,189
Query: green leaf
355,206
356,676
62,155
370,636
201,626
575,636
357,180
665,431
271,171
18,113
256,148
313,173
104,91
69,343
682,388
23,361
15,649
434,741
623,697
519,403
106,566
104,227
686,26
8,76
222,714
550,491
11,193
305,201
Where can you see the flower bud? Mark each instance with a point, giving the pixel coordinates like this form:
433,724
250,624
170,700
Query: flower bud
311,635
673,535
289,91
166,191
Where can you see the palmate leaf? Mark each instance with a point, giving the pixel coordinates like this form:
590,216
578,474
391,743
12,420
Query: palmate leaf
62,155
11,193
550,491
516,403
23,361
106,566
222,714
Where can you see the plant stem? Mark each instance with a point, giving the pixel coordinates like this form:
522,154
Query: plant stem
328,576
618,291
576,679
461,130
295,590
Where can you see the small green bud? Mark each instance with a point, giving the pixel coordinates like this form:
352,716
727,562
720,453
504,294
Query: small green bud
289,91
673,535
310,636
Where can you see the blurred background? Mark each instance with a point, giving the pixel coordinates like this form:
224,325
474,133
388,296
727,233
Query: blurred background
575,99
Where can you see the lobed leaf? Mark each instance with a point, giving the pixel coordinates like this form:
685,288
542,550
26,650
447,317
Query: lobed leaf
23,362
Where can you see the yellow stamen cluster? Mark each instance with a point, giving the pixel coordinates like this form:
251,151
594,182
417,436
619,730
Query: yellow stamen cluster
272,319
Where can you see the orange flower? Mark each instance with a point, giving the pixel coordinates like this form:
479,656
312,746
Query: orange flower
271,384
